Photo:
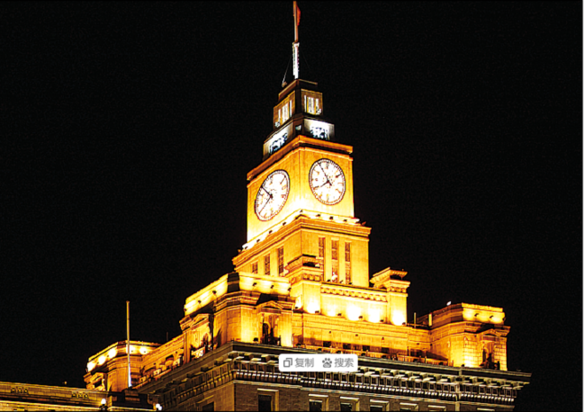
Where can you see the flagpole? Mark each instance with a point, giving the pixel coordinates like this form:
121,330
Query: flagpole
128,342
295,22
296,45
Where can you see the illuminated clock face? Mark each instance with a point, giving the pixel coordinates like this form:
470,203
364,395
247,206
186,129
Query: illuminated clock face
272,195
327,181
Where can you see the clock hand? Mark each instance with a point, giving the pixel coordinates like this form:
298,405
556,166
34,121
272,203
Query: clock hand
318,187
267,201
325,175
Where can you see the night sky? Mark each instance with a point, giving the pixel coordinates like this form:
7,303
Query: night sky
129,128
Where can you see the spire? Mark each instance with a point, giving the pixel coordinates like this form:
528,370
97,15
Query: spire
296,44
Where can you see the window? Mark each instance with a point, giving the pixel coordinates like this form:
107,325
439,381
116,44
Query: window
315,406
209,407
254,268
267,400
317,402
335,260
280,261
267,265
349,404
321,253
376,407
335,250
285,114
348,263
264,403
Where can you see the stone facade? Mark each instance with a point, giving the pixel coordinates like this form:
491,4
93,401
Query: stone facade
236,375
30,397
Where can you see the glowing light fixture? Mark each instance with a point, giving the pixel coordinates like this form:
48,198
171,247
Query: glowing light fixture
353,312
398,318
91,366
374,315
312,307
101,360
112,353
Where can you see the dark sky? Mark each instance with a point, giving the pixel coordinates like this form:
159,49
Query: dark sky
129,128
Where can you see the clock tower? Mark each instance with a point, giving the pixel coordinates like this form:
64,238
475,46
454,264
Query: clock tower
301,225
300,198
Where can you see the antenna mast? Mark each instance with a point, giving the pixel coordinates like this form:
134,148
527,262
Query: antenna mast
296,44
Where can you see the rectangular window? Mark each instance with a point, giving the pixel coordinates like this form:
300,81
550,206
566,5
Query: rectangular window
315,406
348,263
349,404
321,247
335,260
335,271
267,265
209,407
285,114
267,400
254,268
280,261
311,105
265,403
335,250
